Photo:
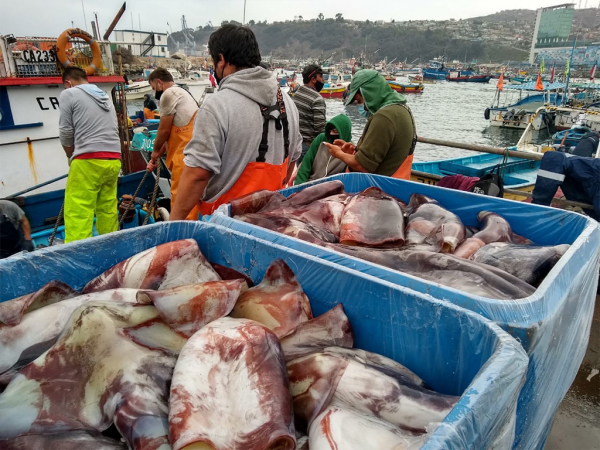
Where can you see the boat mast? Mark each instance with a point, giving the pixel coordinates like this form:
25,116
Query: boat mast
569,72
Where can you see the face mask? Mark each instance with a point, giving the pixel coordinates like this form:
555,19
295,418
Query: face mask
362,111
319,85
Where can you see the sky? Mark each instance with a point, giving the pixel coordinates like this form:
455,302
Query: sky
49,18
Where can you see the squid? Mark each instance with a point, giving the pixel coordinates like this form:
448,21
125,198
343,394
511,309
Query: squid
173,264
372,219
12,311
230,390
278,302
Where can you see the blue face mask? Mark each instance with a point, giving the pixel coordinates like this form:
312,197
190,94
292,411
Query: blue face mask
362,111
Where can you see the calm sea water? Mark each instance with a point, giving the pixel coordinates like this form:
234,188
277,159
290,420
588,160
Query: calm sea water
451,111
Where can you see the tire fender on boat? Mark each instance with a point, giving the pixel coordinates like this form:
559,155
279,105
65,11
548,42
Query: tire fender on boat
61,49
486,114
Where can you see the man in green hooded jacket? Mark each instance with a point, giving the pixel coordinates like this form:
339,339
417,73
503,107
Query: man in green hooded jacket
387,144
317,162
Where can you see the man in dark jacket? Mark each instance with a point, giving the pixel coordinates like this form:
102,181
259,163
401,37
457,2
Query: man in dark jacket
588,145
578,177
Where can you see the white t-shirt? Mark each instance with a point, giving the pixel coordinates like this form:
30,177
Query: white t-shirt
180,103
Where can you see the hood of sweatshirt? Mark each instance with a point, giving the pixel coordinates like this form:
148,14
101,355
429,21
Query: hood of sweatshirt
97,94
256,83
343,124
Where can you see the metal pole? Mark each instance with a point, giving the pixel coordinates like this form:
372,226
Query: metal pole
569,72
244,19
84,19
37,186
481,148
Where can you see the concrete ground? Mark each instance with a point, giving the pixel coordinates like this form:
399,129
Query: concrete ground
577,424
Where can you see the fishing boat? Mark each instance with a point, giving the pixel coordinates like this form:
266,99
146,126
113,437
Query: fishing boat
570,138
334,90
522,112
566,117
418,79
519,173
436,70
460,78
137,89
406,88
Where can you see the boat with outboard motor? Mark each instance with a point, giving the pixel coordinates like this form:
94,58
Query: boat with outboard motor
526,109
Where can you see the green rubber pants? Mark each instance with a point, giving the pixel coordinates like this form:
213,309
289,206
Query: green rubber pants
91,189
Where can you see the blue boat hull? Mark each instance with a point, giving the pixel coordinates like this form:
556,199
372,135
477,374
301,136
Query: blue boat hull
520,173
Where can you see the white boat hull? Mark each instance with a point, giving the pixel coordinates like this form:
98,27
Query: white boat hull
137,90
566,118
31,153
497,119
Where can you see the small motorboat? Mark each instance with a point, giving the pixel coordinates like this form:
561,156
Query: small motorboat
406,88
520,173
418,79
461,78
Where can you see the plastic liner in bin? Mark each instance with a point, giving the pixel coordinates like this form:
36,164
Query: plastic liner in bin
454,350
553,324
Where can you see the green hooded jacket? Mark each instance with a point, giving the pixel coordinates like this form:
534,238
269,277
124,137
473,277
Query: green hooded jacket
317,161
387,139
375,90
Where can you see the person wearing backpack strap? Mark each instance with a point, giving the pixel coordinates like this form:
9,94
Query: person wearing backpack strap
246,136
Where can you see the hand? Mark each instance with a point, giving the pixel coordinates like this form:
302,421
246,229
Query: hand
347,147
28,245
334,150
152,165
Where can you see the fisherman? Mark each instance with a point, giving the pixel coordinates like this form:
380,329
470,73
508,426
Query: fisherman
588,145
311,106
177,111
388,141
578,177
317,162
246,135
90,137
15,231
149,107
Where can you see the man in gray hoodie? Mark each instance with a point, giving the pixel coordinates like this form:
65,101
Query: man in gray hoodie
90,137
246,136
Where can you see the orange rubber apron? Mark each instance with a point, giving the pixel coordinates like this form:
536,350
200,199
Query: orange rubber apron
404,170
256,176
178,139
148,113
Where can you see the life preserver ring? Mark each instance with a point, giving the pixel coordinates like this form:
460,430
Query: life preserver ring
61,49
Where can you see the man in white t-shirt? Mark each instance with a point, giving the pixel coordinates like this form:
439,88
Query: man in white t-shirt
177,111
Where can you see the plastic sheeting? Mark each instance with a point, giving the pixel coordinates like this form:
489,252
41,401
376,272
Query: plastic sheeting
553,324
454,350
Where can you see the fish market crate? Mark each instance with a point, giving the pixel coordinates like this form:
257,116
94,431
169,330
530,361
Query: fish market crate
454,350
553,324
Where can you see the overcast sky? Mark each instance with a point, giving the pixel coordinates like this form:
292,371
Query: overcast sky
51,17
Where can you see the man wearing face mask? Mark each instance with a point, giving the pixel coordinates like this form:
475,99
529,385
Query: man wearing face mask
90,137
311,106
246,136
177,111
388,141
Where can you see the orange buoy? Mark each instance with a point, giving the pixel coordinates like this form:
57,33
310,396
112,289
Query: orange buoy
61,49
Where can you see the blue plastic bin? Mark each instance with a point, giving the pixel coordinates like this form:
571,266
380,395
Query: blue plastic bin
454,350
553,324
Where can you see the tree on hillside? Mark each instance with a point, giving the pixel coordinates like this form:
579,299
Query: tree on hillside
300,18
339,17
251,23
321,16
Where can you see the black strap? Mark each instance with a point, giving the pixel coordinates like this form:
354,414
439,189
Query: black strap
281,122
414,141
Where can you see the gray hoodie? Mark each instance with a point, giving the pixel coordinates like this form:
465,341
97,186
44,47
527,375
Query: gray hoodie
228,129
88,120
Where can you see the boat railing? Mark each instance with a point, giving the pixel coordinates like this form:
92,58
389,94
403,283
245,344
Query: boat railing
495,151
35,57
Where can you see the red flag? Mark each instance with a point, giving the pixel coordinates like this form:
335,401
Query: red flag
593,72
212,79
552,75
539,86
500,84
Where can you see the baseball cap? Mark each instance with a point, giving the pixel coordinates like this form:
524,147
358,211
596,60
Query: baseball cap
310,71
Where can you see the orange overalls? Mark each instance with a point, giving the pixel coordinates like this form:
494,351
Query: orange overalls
258,174
178,139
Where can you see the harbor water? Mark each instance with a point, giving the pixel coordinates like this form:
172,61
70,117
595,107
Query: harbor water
451,111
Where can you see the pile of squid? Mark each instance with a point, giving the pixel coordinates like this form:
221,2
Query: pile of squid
421,238
166,350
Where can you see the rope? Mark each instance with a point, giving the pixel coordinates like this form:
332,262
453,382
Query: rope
502,171
132,202
60,214
154,194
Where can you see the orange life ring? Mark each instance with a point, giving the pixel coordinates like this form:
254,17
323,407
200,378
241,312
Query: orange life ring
61,47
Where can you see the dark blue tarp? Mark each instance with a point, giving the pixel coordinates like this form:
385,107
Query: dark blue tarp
553,324
454,350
